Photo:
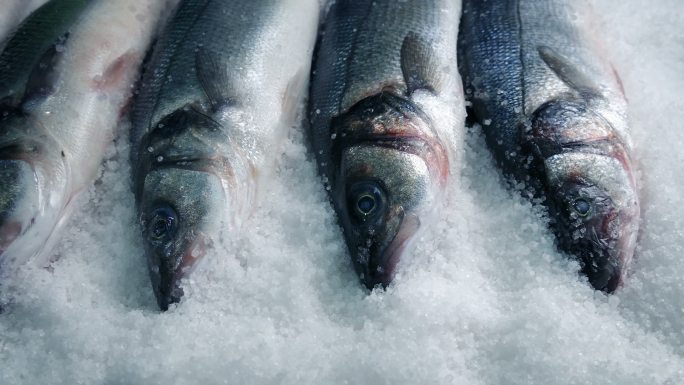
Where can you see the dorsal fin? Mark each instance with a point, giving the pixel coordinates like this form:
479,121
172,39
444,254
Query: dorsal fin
567,72
419,65
212,75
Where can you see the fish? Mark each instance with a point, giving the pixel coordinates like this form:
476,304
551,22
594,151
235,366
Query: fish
554,115
384,125
221,90
65,76
13,13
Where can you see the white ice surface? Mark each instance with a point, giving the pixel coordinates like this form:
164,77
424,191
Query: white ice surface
485,300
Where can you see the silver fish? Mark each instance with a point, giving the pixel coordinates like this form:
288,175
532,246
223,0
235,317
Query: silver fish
223,85
65,76
13,12
554,116
384,124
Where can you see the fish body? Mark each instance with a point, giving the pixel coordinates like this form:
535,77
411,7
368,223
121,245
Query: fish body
65,75
384,125
554,117
222,87
13,12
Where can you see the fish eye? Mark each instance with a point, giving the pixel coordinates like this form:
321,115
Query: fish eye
365,200
582,207
365,204
163,224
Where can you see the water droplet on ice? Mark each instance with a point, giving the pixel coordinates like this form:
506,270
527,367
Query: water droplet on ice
150,149
160,158
333,136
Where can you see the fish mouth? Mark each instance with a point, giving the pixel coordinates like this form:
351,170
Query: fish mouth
605,251
599,263
167,270
181,213
378,267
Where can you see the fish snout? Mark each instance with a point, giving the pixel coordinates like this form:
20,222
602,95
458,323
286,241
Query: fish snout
168,267
162,269
604,250
379,252
172,254
601,266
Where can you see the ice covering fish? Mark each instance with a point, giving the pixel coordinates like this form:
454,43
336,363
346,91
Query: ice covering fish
554,116
222,87
384,123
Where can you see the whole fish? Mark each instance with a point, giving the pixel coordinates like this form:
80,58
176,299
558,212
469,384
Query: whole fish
554,116
65,75
222,87
384,124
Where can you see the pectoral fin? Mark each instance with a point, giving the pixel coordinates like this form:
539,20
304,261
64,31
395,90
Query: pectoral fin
419,65
566,71
212,75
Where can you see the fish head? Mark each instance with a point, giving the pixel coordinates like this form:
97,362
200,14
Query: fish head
391,173
385,194
594,212
589,188
34,188
180,214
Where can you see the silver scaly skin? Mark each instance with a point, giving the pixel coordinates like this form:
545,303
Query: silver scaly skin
554,116
65,76
222,87
13,12
385,128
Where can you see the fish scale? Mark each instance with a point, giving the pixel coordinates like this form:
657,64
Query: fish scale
222,88
384,122
66,75
358,70
554,117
